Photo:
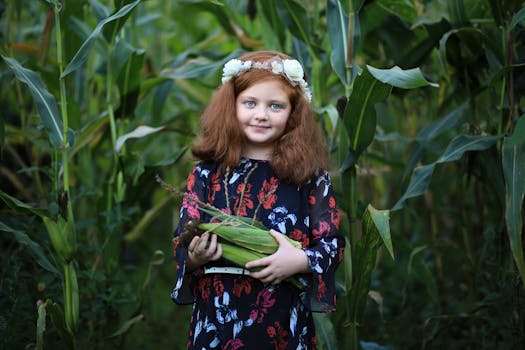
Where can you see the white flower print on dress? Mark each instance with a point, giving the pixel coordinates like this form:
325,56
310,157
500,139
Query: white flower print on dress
207,327
314,257
293,320
224,312
279,216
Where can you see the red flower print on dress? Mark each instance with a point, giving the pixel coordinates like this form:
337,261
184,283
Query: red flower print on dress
311,200
266,195
321,290
176,243
218,285
322,231
299,236
278,335
263,303
204,288
233,344
191,181
247,203
215,186
241,284
191,207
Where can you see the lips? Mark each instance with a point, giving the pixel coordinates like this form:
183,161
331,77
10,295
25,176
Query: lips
260,127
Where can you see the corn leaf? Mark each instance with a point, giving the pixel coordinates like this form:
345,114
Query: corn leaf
514,171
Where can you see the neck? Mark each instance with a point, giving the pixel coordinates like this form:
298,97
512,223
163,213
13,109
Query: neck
259,154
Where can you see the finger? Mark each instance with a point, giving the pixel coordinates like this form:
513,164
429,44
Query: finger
218,253
263,275
258,263
193,244
203,241
279,237
212,247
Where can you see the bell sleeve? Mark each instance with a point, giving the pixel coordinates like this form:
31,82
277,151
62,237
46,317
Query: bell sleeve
196,187
325,251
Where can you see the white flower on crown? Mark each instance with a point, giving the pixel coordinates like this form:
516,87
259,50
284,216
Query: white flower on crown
233,68
290,68
277,67
294,70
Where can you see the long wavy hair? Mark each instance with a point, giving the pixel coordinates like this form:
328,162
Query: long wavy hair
298,155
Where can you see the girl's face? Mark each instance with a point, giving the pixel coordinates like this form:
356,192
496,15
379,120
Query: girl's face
262,111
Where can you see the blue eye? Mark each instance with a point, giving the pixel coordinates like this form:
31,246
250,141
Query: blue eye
249,104
276,107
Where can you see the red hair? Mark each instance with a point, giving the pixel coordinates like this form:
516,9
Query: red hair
298,155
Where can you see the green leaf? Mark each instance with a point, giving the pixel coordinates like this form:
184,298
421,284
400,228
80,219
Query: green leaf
325,332
467,35
404,79
40,326
216,8
140,132
113,27
89,133
363,265
99,10
83,51
381,220
337,22
360,115
403,9
418,184
156,260
14,203
275,23
423,139
463,143
417,264
45,102
193,68
514,172
454,151
457,12
129,70
295,18
517,18
35,248
127,325
57,316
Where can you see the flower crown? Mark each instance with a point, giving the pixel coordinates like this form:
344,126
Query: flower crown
291,69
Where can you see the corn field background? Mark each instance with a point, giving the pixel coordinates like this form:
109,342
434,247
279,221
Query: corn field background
422,103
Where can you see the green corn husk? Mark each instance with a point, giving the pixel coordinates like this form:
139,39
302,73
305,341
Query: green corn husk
255,239
240,256
242,239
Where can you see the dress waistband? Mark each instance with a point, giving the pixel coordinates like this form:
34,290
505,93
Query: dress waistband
230,270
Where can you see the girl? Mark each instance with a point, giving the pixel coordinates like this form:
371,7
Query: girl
261,156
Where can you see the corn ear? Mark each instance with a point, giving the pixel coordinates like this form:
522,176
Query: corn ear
257,240
63,237
71,299
240,256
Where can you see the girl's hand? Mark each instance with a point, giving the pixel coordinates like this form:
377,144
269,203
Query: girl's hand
285,262
200,251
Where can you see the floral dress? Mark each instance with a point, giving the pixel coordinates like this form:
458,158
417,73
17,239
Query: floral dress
238,311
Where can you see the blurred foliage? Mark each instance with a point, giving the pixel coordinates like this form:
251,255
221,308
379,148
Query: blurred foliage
422,103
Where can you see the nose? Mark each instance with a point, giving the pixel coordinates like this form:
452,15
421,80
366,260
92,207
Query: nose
261,114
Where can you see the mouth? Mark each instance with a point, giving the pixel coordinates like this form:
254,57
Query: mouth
260,127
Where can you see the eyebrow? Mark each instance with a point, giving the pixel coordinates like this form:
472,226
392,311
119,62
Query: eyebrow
274,100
